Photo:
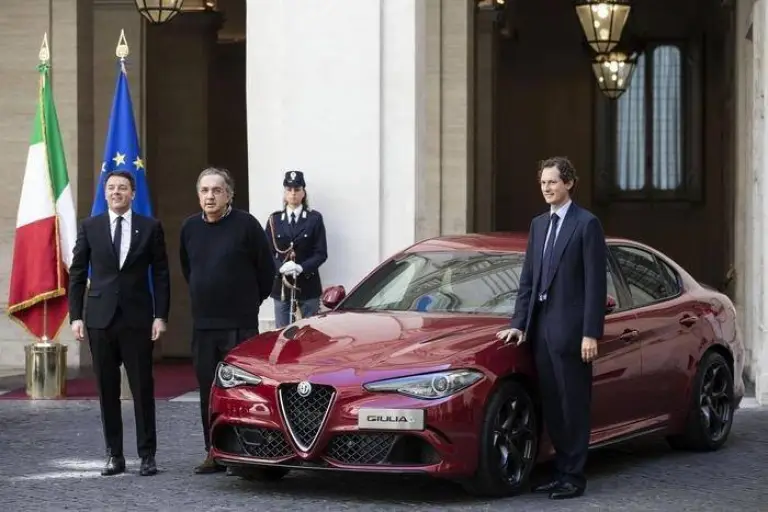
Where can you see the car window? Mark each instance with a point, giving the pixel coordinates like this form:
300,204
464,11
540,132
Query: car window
611,285
442,281
644,276
672,277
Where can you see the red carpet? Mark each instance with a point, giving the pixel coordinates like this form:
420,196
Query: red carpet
171,380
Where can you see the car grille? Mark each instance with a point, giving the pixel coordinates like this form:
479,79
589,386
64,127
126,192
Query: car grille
263,443
305,416
361,448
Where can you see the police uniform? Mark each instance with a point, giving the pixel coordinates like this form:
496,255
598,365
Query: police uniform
296,235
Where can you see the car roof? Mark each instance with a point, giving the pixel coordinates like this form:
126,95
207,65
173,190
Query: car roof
490,242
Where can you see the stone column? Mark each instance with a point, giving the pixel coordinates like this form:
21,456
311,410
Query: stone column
485,108
759,213
370,100
22,26
177,60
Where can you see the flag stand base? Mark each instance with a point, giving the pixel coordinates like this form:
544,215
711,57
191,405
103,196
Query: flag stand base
46,370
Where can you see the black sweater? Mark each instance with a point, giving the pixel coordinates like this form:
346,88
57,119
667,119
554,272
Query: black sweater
229,269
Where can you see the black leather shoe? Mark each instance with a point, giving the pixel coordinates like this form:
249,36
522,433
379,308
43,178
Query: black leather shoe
148,466
565,491
548,487
114,466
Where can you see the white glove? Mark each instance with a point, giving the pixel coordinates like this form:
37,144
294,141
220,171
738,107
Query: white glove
290,268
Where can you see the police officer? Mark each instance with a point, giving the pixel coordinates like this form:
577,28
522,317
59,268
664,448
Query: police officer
296,235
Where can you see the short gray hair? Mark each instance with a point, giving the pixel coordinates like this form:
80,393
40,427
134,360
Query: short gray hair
224,174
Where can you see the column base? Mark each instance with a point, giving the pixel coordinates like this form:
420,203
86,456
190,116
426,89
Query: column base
761,388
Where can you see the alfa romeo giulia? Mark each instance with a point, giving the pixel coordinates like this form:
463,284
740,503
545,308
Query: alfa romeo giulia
405,374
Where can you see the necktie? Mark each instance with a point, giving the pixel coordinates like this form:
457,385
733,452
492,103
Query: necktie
118,238
293,218
546,266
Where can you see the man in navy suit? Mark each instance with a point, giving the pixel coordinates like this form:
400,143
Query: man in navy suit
123,321
560,308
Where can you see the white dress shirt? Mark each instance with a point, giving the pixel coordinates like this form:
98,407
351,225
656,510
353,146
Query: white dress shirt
125,241
560,212
296,211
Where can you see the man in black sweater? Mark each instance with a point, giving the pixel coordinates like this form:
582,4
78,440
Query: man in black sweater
227,264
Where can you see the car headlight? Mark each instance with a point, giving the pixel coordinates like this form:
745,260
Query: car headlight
228,376
429,385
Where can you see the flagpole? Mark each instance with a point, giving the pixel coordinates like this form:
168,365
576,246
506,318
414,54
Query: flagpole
45,57
122,50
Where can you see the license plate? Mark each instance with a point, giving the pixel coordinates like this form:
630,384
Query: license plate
391,419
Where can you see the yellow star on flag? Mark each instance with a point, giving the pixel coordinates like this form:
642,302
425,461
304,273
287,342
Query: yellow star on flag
139,163
119,158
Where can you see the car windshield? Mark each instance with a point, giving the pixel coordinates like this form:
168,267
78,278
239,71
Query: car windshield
442,282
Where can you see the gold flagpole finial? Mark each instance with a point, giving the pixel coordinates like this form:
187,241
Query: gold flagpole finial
45,52
122,46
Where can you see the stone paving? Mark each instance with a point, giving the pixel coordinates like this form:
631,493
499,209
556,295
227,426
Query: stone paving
51,455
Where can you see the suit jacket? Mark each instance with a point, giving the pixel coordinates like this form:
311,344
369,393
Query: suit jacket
309,244
112,286
576,292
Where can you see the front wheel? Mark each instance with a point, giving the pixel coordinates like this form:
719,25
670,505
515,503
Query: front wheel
711,409
509,442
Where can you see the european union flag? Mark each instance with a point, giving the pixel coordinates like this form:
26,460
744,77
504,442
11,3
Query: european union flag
122,151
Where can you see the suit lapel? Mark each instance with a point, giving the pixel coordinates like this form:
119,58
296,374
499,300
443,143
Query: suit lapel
135,232
540,236
569,226
105,230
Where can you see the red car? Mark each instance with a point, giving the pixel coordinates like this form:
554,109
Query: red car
405,373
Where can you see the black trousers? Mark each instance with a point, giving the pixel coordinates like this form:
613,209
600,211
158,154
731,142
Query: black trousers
565,383
208,348
120,343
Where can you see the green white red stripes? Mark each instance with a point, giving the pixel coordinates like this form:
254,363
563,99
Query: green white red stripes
45,226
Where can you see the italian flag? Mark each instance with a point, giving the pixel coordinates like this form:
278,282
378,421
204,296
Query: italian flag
45,226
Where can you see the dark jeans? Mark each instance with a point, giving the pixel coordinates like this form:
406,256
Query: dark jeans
308,308
208,348
132,347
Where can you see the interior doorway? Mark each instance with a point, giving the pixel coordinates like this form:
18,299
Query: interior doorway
655,165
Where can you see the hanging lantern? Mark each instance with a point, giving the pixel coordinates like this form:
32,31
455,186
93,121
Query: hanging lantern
614,72
603,21
159,11
490,5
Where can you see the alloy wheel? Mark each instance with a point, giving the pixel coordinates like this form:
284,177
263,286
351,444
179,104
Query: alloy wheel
514,438
715,401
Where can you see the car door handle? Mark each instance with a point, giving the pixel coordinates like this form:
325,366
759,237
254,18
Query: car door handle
688,320
629,335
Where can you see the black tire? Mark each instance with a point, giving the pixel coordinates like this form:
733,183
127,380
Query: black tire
260,474
710,412
510,420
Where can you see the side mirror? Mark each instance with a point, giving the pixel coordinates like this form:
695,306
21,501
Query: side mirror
332,296
610,304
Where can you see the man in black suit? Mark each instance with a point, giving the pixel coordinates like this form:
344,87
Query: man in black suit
122,321
560,307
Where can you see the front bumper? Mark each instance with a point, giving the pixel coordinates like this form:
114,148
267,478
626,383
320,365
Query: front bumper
270,425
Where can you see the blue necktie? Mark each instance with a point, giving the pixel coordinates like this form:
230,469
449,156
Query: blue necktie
546,265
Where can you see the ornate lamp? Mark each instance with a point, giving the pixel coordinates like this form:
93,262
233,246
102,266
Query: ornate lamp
490,5
614,72
159,11
603,21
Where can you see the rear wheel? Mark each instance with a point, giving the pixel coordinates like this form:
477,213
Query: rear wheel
509,442
710,414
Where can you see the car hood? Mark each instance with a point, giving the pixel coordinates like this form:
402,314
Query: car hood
369,341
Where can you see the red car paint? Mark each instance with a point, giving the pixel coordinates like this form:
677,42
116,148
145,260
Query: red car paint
642,378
